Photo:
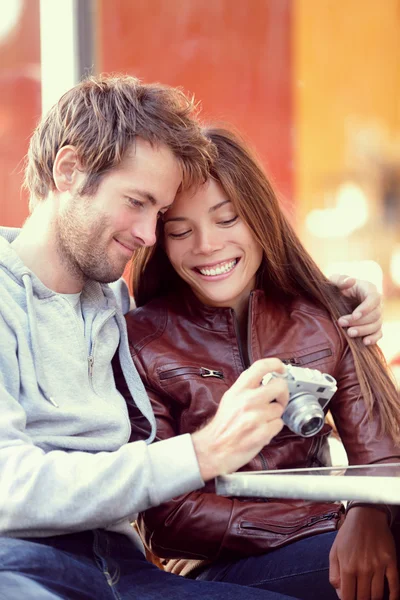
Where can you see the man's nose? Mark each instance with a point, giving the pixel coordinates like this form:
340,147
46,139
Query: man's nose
144,231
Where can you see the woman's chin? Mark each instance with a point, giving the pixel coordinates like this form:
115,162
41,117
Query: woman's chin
217,300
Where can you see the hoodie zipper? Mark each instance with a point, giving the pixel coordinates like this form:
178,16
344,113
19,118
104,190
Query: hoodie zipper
90,365
91,354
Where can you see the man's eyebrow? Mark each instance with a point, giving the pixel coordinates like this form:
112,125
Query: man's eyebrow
144,194
210,210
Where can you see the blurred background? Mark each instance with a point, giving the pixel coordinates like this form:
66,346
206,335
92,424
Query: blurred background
314,85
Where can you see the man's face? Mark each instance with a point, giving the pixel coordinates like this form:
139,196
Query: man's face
96,235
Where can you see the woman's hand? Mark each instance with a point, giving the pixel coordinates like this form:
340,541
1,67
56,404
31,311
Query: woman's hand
366,320
363,556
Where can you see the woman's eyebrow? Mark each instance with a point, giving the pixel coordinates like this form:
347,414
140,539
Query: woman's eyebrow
210,210
217,206
174,219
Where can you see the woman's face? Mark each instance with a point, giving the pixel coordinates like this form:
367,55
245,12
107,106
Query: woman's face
210,247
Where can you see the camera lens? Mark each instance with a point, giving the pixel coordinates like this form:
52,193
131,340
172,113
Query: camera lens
304,415
311,427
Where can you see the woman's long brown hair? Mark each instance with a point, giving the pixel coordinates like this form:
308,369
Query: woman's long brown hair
287,268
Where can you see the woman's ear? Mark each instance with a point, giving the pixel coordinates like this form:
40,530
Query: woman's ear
66,169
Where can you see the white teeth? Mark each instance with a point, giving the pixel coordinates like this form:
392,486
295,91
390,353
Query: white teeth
219,269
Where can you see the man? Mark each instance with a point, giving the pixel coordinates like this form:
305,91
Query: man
102,166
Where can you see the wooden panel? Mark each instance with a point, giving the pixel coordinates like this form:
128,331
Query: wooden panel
234,55
19,103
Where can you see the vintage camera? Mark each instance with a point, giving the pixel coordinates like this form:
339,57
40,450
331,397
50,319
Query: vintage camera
309,393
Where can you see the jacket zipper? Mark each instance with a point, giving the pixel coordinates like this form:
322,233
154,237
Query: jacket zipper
250,354
293,528
307,358
263,461
201,371
239,343
237,333
314,520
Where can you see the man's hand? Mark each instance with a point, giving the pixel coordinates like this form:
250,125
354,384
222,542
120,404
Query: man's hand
363,555
366,320
246,420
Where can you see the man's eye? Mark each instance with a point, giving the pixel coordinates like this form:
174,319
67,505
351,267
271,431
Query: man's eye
229,221
135,203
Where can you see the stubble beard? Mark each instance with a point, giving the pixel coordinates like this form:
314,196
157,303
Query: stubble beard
82,245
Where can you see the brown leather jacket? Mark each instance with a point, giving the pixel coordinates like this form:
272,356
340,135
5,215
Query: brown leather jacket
188,355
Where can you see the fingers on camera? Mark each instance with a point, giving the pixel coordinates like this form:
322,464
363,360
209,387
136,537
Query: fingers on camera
276,391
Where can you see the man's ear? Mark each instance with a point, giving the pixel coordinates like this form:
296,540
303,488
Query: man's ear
66,169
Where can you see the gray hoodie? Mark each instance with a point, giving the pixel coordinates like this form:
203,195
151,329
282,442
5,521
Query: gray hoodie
65,464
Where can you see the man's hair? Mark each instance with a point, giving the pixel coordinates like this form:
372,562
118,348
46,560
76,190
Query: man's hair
101,118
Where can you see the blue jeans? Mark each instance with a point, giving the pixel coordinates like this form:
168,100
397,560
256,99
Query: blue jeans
300,569
99,565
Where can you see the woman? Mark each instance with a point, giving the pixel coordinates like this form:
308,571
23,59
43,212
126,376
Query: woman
229,282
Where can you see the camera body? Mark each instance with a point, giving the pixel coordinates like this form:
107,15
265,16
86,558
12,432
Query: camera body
309,393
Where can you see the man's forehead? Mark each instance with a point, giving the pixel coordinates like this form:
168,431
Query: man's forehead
147,173
141,148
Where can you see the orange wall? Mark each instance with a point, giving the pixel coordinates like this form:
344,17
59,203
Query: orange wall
297,77
346,87
19,108
235,56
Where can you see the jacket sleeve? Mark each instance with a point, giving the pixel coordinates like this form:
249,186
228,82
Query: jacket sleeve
202,524
360,434
45,492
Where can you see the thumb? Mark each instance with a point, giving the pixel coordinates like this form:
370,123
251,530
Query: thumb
392,577
343,282
334,570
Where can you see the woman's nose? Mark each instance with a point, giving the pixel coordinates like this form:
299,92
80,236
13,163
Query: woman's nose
207,243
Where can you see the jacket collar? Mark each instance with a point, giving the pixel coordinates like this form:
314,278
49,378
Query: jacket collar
210,317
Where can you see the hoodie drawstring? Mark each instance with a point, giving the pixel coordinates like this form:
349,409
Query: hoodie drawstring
37,358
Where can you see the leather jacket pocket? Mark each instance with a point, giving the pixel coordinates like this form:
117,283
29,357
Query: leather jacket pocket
189,370
308,357
265,529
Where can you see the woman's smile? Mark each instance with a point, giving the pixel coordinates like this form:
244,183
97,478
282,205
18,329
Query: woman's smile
217,271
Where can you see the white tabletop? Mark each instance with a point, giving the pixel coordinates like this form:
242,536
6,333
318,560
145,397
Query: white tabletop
366,483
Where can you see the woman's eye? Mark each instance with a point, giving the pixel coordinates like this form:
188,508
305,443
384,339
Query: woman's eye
229,221
177,236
